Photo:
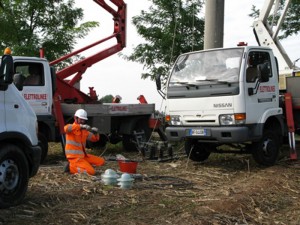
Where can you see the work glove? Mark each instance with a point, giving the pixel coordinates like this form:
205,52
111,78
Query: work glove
94,130
85,127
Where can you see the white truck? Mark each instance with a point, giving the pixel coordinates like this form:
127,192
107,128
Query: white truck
19,150
230,99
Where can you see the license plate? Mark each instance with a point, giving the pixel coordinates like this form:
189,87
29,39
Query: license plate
198,132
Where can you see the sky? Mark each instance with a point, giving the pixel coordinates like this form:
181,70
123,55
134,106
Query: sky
117,76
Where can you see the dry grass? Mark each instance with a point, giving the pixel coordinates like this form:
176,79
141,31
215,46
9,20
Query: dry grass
226,189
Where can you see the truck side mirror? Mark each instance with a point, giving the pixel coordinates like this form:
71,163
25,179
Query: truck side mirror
158,82
263,71
158,86
7,69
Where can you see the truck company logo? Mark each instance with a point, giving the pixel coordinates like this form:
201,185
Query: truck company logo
222,105
267,89
35,96
119,108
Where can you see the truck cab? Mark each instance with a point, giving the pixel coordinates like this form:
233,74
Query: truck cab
225,97
38,88
19,150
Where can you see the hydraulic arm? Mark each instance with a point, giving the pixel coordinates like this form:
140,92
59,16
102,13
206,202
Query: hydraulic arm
66,89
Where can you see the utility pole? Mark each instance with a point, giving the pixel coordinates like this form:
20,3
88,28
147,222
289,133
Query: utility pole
214,24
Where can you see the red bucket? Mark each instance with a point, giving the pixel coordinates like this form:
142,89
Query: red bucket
128,166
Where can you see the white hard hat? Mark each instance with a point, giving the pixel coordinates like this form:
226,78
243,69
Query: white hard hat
82,114
119,97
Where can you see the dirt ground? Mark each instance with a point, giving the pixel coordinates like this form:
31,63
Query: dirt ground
225,189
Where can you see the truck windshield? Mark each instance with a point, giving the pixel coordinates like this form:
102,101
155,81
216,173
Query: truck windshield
204,67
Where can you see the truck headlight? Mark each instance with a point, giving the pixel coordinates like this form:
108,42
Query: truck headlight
173,120
232,119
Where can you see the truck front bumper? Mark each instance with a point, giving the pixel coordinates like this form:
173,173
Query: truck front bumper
212,134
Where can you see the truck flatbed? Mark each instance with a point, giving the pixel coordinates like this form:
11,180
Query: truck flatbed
110,109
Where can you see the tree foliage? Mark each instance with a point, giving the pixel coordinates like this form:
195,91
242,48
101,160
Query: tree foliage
27,25
107,99
169,29
291,25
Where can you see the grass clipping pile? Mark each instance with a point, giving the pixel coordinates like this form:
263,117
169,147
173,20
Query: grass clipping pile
225,189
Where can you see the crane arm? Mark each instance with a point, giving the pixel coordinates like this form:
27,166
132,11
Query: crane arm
119,17
65,89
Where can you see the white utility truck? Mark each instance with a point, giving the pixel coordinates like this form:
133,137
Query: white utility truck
55,96
229,99
19,150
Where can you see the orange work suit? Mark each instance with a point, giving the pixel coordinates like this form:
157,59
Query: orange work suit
79,160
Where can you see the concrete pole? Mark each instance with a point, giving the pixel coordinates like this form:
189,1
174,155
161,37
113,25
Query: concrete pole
214,24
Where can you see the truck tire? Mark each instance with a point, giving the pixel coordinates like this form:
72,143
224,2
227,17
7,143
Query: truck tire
196,151
99,144
43,143
129,141
14,175
266,151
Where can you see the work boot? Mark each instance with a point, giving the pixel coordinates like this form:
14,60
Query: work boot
67,168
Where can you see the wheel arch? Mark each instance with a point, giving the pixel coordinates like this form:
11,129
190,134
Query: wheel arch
46,125
22,142
273,115
272,122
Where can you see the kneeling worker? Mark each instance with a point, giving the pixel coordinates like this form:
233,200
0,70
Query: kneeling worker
76,136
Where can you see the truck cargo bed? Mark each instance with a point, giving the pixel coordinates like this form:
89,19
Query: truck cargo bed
111,109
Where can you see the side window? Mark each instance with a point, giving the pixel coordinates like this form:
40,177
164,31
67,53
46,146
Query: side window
33,73
256,59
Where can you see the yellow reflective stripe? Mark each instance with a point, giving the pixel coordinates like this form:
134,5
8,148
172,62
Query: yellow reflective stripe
74,152
73,143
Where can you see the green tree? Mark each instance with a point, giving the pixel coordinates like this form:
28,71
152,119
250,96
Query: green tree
27,25
107,99
169,29
291,25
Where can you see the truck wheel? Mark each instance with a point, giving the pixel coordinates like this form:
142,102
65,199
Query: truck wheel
196,151
43,143
265,152
99,144
14,175
129,141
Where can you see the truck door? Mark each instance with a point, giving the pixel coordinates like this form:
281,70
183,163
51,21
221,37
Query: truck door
260,93
35,89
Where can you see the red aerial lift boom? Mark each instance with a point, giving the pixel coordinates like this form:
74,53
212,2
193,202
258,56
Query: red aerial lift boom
65,90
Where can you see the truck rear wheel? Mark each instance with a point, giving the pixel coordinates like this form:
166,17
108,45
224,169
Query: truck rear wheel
196,151
129,141
265,152
14,175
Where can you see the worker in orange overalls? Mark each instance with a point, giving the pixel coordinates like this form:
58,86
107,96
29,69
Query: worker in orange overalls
76,136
